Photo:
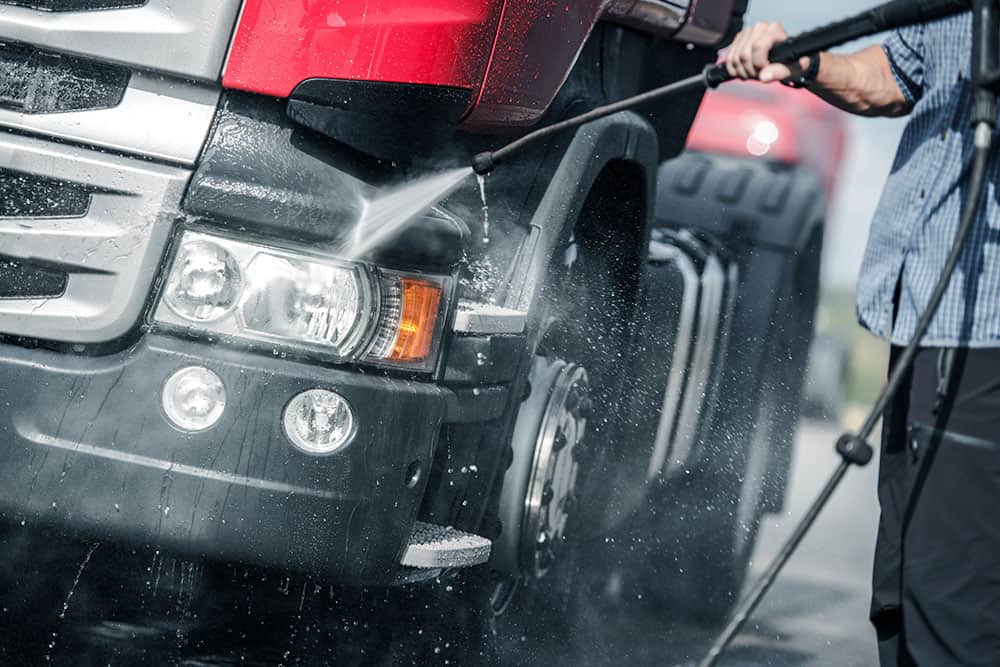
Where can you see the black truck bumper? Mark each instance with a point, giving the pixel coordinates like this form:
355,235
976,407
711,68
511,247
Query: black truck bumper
85,447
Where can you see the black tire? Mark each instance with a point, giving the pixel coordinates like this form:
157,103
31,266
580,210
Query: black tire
690,554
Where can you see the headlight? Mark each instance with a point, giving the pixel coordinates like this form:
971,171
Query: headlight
338,309
291,299
205,282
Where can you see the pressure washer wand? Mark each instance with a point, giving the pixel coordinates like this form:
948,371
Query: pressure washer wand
712,77
891,15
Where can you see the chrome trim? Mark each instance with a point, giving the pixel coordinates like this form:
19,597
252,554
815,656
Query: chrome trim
111,254
680,361
158,117
713,288
187,38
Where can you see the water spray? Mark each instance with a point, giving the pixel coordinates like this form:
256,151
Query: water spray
853,448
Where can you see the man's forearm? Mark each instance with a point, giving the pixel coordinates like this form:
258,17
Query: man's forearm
861,83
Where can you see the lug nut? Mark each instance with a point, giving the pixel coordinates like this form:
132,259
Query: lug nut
548,493
559,442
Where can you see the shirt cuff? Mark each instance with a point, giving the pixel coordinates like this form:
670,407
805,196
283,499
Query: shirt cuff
905,85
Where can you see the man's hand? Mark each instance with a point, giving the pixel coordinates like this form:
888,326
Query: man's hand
748,58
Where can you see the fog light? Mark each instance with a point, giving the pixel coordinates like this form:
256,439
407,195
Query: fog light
194,398
319,422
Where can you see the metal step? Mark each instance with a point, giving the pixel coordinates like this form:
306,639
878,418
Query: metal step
486,318
432,547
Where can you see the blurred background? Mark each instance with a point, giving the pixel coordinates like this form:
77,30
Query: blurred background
870,149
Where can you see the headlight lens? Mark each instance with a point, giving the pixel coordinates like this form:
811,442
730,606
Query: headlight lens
319,304
304,301
205,283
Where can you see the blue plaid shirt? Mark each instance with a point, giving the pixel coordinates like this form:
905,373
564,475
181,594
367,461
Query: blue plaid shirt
917,218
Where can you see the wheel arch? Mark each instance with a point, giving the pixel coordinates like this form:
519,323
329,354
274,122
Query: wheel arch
609,163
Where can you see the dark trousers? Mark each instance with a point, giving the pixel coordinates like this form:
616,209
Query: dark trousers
936,589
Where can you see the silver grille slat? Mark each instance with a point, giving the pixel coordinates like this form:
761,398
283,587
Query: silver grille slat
158,118
187,38
111,254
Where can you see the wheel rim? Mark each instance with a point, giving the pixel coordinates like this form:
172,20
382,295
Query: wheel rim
552,483
539,489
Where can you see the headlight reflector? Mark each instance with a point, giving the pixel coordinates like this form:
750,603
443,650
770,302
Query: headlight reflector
205,283
305,301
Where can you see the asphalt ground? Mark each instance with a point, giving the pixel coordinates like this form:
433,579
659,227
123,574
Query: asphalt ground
815,615
66,605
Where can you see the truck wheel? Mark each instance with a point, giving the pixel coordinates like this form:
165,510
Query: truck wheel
589,291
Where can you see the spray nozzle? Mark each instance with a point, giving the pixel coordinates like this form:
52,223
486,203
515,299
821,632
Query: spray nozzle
484,163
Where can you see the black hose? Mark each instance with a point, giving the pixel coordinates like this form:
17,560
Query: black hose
974,195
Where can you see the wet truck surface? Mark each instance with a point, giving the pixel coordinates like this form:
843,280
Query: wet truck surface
255,309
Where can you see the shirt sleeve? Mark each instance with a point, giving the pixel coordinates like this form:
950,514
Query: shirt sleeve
905,50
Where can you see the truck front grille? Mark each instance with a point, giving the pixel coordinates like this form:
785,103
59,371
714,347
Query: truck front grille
32,196
110,255
38,82
23,279
73,5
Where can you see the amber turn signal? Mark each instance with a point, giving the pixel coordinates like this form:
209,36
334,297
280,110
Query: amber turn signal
418,321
